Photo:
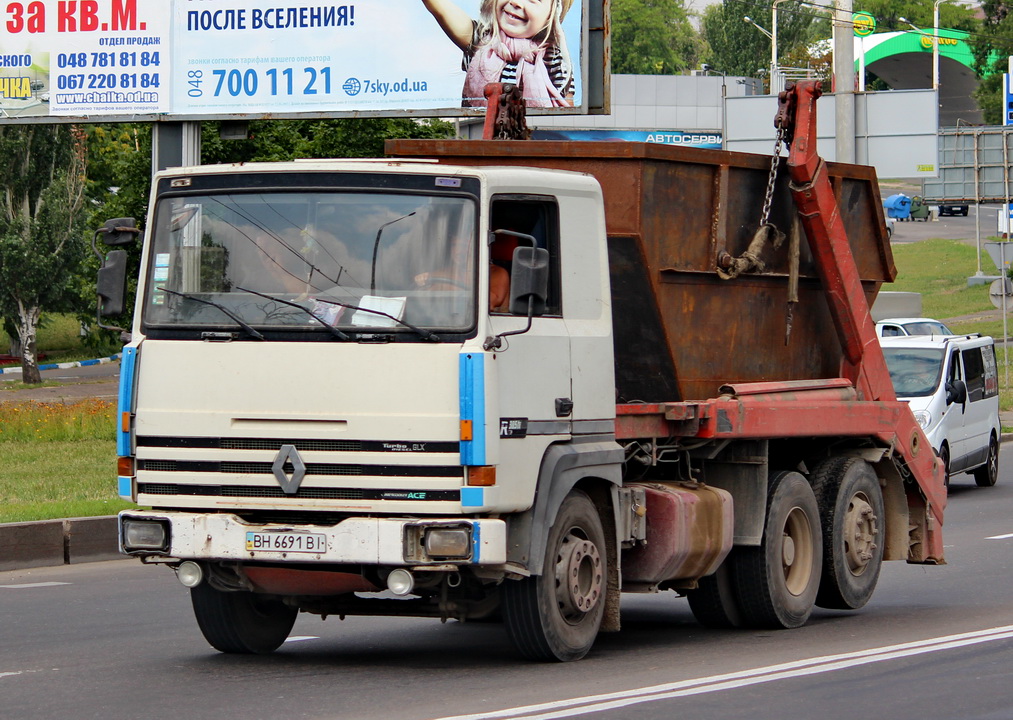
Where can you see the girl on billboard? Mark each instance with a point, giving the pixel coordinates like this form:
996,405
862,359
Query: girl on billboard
513,41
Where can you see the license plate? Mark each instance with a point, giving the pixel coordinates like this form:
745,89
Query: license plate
286,542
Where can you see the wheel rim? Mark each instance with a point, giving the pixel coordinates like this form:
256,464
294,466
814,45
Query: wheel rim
861,529
578,577
993,461
797,551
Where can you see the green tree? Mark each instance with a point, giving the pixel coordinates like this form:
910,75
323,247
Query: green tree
653,37
888,14
275,140
41,248
738,48
991,47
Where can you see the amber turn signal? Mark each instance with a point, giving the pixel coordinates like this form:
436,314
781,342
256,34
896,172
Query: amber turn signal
481,475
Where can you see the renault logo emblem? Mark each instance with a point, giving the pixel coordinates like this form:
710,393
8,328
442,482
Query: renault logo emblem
289,483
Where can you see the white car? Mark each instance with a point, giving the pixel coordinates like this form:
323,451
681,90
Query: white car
898,327
952,386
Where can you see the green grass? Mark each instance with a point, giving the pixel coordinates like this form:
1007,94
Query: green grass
56,332
938,269
58,461
56,479
60,339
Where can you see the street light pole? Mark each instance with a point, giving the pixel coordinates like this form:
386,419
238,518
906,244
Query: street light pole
773,52
774,67
935,44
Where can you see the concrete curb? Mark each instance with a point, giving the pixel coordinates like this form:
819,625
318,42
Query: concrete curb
58,542
67,365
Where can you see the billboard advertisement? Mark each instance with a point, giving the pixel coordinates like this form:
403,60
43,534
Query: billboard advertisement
681,138
198,59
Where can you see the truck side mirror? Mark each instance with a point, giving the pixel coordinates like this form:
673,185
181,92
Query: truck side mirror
112,283
956,392
112,274
529,289
529,281
118,231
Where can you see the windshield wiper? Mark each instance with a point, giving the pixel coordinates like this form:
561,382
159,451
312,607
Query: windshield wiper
330,328
242,323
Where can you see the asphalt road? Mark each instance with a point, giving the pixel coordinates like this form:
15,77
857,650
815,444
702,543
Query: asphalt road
118,640
968,229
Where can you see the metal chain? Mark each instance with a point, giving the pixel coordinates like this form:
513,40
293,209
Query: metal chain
769,197
511,123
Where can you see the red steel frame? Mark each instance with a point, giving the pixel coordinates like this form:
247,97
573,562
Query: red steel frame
861,403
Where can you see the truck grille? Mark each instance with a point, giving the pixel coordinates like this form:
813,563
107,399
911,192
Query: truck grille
149,488
301,444
265,468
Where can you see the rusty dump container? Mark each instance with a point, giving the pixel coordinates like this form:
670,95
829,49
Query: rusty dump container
672,214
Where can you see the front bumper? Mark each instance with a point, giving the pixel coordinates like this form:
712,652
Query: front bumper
356,540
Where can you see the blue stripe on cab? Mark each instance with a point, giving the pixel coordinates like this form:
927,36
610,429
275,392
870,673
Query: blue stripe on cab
125,488
476,541
125,404
472,394
472,497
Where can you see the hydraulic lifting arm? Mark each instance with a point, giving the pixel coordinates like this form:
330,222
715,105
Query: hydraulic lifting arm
863,363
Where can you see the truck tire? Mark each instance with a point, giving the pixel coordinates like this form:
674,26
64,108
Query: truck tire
987,474
713,602
776,583
851,515
241,622
555,616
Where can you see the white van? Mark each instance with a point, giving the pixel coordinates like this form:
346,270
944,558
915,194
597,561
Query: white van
952,385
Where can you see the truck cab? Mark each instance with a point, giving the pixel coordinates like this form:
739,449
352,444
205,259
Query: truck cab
317,376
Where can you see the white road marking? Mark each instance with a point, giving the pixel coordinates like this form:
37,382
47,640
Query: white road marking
32,585
1000,537
743,678
300,638
6,674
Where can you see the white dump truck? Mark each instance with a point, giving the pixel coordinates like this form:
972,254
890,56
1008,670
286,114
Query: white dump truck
331,403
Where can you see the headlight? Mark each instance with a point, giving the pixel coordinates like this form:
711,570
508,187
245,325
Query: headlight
923,418
144,535
448,543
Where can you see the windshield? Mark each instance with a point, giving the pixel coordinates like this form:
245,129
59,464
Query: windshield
358,261
926,327
914,371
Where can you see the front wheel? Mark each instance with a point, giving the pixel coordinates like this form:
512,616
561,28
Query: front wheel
555,616
776,583
241,622
987,474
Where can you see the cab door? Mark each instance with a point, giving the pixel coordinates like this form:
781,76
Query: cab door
532,367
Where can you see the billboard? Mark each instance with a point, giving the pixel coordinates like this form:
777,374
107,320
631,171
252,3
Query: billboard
681,138
202,59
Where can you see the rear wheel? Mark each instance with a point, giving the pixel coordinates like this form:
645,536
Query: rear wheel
776,583
987,474
241,622
851,511
713,602
555,616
